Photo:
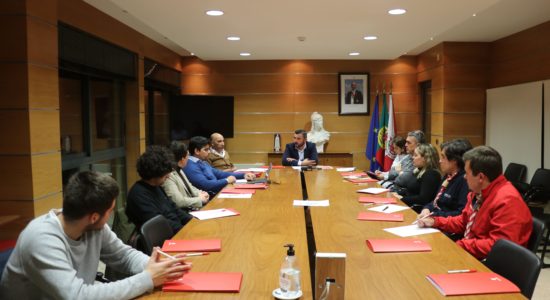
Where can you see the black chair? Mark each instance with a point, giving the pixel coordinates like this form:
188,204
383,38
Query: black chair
515,263
154,232
536,235
515,173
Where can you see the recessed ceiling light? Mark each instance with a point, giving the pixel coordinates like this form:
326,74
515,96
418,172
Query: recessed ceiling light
370,38
474,15
397,11
431,38
354,53
214,12
233,38
192,54
244,54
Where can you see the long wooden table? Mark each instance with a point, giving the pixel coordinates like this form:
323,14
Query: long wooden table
380,275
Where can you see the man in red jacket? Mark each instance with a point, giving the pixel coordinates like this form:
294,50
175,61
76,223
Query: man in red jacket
495,209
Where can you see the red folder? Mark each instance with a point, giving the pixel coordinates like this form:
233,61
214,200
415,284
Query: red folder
376,200
361,180
237,191
353,174
250,186
398,245
192,245
374,216
472,283
206,282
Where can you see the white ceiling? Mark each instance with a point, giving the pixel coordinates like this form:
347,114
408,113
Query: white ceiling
333,29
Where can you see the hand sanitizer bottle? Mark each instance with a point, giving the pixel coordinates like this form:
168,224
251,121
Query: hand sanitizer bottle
289,277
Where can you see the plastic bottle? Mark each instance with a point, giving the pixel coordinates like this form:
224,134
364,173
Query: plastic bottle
289,277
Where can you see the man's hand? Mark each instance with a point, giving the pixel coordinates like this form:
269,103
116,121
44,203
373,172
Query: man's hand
249,176
165,270
204,197
231,179
423,213
290,159
426,222
308,162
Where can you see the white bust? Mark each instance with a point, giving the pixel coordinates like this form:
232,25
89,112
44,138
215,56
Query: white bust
318,135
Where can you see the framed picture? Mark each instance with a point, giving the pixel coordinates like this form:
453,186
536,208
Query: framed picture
353,94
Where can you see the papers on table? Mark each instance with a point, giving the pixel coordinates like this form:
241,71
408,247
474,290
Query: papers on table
389,208
238,191
192,245
234,196
354,174
311,203
299,168
241,181
206,282
350,169
376,200
410,230
368,216
398,245
373,191
250,186
214,213
250,170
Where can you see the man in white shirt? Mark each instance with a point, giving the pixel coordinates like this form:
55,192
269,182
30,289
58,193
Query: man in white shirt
301,152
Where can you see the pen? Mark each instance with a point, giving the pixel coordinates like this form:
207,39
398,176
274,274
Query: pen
424,217
461,271
196,254
166,254
385,208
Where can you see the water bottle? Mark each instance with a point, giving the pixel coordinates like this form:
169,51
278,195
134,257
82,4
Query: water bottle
289,276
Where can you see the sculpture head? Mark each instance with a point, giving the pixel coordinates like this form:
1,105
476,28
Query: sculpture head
316,121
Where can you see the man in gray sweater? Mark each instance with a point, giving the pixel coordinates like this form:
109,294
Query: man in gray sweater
57,255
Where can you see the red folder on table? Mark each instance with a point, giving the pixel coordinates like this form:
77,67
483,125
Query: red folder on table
374,216
237,191
376,200
353,174
206,282
192,245
472,283
250,186
398,245
361,180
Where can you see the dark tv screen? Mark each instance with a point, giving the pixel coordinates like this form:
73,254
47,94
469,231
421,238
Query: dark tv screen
193,115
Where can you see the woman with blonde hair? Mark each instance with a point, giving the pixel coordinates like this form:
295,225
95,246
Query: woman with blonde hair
421,186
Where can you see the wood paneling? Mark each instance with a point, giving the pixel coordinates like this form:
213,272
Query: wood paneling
470,76
46,171
42,41
44,131
13,84
464,100
16,123
464,124
12,31
461,52
16,180
43,84
44,205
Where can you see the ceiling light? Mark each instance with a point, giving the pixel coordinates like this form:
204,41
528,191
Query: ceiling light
397,11
244,54
370,38
474,15
431,38
192,54
214,13
354,53
233,38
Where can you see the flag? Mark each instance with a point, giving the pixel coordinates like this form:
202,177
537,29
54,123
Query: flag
381,139
372,141
390,135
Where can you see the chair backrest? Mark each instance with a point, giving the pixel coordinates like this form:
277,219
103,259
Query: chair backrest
154,232
515,172
541,178
536,235
516,264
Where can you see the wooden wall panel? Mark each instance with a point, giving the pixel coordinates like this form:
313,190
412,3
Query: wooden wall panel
465,124
42,40
406,102
17,183
316,102
13,84
461,52
16,123
44,128
11,28
274,103
471,76
264,122
45,204
43,86
465,100
46,169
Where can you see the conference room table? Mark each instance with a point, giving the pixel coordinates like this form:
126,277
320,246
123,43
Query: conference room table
252,243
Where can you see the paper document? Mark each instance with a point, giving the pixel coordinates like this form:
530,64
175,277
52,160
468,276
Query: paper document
325,167
299,168
241,181
410,230
373,191
376,200
311,203
350,169
255,170
235,196
389,208
214,213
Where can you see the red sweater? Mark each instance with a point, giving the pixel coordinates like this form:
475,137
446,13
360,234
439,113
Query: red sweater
503,215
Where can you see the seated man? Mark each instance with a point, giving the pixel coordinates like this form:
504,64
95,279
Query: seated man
414,138
300,152
57,255
178,187
146,198
495,209
218,157
202,175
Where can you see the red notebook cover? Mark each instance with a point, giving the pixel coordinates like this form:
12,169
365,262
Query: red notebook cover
472,283
353,174
206,282
377,200
192,245
250,186
398,245
361,180
237,191
374,216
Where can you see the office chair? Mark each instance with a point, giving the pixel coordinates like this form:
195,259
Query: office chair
536,235
154,232
515,173
515,263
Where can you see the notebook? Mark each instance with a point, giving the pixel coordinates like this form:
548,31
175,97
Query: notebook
373,191
206,282
192,245
374,216
398,245
361,180
376,200
237,191
214,213
472,283
250,186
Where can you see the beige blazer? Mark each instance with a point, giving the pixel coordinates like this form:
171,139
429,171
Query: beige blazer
184,195
218,162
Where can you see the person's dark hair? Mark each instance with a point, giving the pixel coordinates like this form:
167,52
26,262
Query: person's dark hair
179,149
197,142
302,132
455,149
88,192
155,162
486,160
418,135
399,142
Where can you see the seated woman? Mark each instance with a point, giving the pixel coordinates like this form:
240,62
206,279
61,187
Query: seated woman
420,188
401,156
451,198
177,186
